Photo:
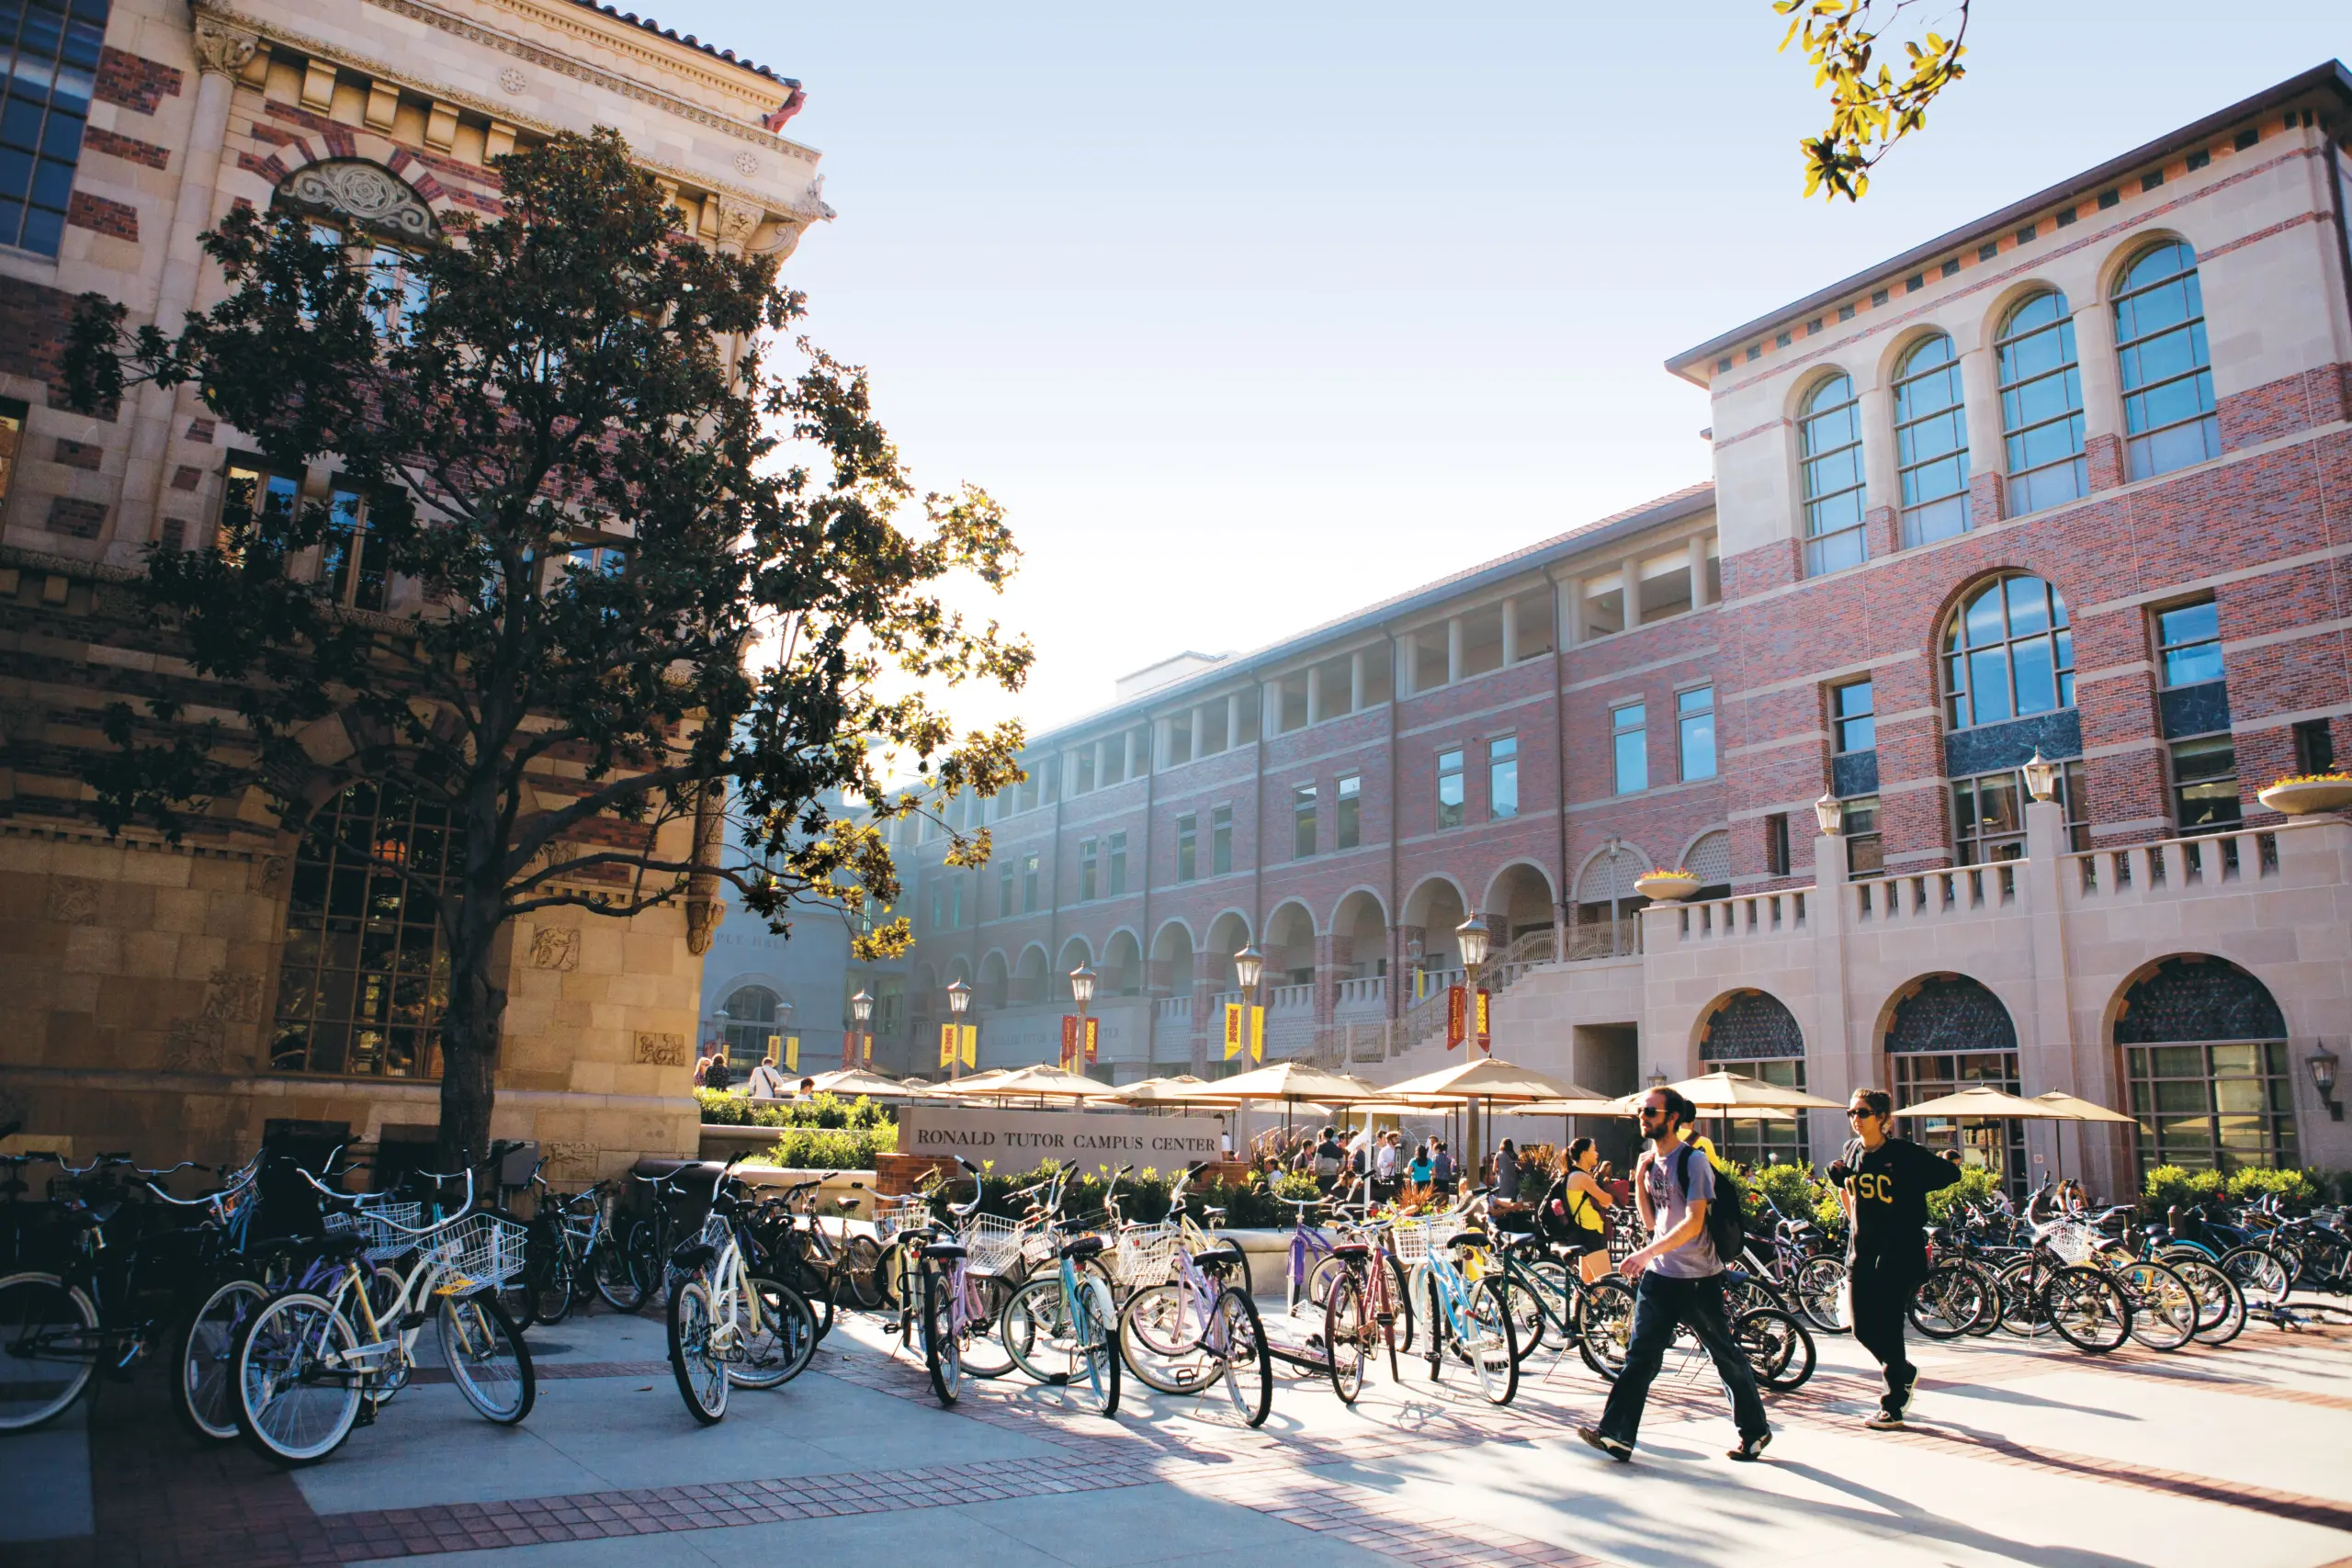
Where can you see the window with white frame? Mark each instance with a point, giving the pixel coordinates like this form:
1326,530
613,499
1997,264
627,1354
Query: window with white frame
1829,451
1694,725
2041,405
1502,777
2169,417
1629,748
1931,442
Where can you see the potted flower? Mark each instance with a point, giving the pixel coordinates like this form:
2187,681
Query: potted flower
1665,887
2300,795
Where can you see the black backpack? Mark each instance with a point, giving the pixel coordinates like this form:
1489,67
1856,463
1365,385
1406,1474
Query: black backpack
1727,1213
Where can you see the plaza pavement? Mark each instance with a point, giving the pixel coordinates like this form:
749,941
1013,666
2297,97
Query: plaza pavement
2232,1458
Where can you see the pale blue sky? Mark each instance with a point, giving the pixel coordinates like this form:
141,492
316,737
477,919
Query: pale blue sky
1254,314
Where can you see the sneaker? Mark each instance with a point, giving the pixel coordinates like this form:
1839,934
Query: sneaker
1884,1420
1619,1451
1750,1450
1901,1404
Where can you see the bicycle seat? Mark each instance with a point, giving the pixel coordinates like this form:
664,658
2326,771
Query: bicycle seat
1216,1258
1350,1249
944,1251
1469,1238
337,1246
1082,1248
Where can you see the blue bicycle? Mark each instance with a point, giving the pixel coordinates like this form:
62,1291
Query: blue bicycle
1469,1318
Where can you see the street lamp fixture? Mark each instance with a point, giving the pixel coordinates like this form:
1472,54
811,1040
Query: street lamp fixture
1081,987
959,999
1471,934
2322,1063
861,1010
1830,813
2041,777
1249,967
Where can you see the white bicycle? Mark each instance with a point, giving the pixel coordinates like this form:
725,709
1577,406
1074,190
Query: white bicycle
728,1324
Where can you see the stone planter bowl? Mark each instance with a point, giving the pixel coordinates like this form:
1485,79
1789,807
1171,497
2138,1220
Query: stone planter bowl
2310,796
1664,888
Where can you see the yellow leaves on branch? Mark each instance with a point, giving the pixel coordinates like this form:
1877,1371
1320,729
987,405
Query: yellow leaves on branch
1870,111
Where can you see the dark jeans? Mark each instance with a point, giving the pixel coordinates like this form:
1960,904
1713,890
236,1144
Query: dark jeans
1660,1306
1881,1296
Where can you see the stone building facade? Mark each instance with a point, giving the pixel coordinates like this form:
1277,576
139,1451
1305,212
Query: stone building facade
2073,478
147,989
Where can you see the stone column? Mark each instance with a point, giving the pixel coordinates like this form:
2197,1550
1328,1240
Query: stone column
2048,1055
1571,611
1699,597
1270,709
1511,633
2102,394
1876,408
1164,742
1837,1062
1630,571
1355,682
221,52
1200,746
1453,650
1981,398
1314,693
1102,762
1232,720
1127,757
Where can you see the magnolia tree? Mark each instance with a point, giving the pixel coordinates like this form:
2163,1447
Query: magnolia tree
643,577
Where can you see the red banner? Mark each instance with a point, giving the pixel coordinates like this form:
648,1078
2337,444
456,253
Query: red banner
1070,1042
1457,1016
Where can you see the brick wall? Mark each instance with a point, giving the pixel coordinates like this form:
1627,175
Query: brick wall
134,82
116,217
33,317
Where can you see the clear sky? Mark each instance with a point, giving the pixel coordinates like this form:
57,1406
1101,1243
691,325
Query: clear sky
1254,314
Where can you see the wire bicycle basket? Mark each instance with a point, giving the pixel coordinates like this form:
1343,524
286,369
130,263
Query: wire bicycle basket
479,1252
892,1216
993,1246
380,1225
1418,1235
1145,1256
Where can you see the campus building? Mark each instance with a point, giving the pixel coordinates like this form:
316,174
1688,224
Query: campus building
179,999
2073,480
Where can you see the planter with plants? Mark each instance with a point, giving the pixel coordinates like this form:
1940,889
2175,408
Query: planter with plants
2300,794
1665,887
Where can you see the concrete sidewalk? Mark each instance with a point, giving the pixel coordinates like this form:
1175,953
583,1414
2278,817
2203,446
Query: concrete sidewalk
2019,1454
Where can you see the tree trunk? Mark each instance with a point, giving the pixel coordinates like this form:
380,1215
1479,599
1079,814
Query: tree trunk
477,1009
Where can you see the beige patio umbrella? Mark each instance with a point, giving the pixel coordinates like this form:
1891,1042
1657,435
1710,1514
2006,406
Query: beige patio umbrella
2081,1110
1727,1093
865,1083
1043,1080
1478,1083
1983,1100
1179,1088
1298,1086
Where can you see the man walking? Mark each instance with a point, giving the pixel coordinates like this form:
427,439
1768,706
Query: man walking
1678,1281
1883,1181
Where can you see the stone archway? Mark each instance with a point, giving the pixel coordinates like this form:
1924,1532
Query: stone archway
2202,1049
1945,1032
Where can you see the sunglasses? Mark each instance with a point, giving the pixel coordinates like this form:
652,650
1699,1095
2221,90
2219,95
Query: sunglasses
1859,1113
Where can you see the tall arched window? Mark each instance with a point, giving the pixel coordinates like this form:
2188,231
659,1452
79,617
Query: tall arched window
1948,1032
2167,381
2205,1054
752,1013
1932,443
2041,405
2008,653
1830,447
1754,1034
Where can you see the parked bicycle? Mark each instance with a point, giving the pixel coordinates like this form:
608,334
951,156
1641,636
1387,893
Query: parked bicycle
732,1324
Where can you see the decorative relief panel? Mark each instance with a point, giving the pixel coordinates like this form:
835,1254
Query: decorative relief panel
367,192
661,1051
555,947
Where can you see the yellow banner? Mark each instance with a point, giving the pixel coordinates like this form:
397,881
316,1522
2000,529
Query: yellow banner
971,1044
791,1051
946,1043
869,1048
1257,1035
1232,1030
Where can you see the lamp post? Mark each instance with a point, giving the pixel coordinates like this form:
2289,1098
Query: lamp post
782,1020
860,1010
2323,1079
1471,936
959,999
1616,913
1249,968
1829,813
1081,991
2041,777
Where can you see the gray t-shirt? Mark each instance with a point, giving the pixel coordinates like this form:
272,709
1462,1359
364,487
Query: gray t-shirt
1694,1259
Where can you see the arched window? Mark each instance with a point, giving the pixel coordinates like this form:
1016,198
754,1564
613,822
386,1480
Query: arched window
2041,405
1753,1034
1830,447
2205,1053
752,1013
1932,443
2008,653
2167,381
1947,1034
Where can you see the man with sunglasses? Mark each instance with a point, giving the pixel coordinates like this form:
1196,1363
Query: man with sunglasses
1678,1281
1883,1181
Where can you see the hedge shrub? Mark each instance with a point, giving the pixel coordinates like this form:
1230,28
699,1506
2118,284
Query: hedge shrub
720,1110
833,1148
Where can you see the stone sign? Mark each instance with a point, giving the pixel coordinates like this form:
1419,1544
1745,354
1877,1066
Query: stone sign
1020,1141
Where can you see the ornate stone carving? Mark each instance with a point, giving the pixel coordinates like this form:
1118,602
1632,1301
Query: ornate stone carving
272,871
738,221
661,1051
369,192
570,1158
702,916
513,82
222,48
234,998
747,164
72,900
555,947
194,1045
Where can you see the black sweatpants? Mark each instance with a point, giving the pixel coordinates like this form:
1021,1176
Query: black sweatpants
1881,1297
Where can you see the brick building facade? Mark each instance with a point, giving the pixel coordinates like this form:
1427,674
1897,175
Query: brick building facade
177,1001
2073,478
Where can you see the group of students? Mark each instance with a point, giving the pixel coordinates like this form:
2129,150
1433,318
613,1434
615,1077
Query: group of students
1881,1179
767,1080
1378,1164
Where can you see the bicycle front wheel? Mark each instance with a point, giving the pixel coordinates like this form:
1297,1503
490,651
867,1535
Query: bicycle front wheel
1094,1374
204,1393
1777,1346
1347,1336
2221,1306
1814,1291
296,1396
942,1352
1240,1341
694,1357
546,1269
1605,1326
2261,1274
2163,1309
1491,1346
862,1271
984,1298
2087,1308
1946,1301
488,1359
776,1347
1037,1331
1162,1344
1526,1315
616,1281
48,1349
